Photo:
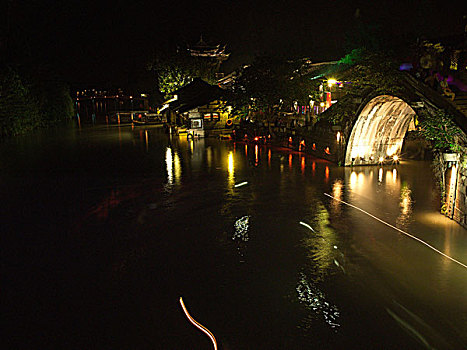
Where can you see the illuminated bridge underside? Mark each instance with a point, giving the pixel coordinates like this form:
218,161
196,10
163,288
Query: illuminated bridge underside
379,131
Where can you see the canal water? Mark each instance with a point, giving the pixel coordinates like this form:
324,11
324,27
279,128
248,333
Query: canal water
104,228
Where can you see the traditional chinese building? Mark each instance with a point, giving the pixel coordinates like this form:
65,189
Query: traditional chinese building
201,106
215,53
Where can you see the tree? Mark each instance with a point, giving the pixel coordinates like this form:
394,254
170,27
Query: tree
376,71
271,85
177,70
19,110
445,137
259,89
439,128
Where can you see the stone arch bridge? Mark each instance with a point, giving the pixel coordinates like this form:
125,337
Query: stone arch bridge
376,132
378,126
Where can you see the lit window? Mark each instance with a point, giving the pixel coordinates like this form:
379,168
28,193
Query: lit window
196,124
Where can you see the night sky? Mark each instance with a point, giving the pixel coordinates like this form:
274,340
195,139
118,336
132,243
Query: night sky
97,42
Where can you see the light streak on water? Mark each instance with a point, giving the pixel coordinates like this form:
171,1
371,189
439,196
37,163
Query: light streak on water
410,329
401,231
315,300
306,225
241,184
199,325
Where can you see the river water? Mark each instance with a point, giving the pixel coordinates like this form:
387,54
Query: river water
104,228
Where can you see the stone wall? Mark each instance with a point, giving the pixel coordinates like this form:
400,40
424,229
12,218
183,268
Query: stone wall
460,208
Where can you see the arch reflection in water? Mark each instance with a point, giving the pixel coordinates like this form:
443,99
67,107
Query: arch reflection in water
337,188
405,207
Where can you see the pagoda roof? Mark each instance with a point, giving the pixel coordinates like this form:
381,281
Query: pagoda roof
201,48
195,94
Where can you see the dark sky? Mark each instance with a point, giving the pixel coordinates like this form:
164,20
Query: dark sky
102,41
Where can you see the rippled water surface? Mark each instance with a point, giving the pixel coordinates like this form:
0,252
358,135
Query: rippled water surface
105,228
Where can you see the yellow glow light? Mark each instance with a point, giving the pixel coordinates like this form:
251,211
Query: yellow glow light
331,82
321,104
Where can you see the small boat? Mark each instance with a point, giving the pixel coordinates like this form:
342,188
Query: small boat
149,119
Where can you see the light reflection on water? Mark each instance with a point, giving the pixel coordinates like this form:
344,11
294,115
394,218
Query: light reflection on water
315,300
345,274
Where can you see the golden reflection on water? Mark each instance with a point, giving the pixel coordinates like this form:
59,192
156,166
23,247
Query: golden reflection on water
208,157
405,207
337,194
169,165
320,243
256,154
192,145
146,139
177,168
173,167
230,167
353,180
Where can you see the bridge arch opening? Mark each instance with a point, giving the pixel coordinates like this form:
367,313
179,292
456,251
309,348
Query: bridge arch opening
379,131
